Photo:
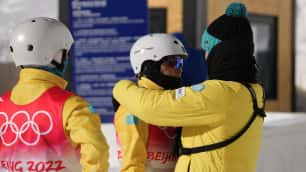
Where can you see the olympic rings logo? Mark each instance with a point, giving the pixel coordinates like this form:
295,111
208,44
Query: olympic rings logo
167,133
29,124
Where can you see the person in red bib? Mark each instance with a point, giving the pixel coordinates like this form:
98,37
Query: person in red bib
157,61
43,127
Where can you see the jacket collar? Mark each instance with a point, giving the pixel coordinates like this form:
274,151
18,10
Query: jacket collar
147,83
37,75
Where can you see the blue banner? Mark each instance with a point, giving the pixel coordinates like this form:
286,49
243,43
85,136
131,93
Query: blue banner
104,31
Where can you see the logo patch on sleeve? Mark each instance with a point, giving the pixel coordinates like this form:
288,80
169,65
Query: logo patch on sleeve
198,87
92,109
180,92
131,120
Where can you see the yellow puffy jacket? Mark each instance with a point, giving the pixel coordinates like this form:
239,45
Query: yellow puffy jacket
209,113
143,147
81,126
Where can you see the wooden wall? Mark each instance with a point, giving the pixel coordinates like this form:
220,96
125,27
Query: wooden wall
174,13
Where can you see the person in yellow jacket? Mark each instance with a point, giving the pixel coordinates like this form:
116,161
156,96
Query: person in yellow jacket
43,126
221,118
157,61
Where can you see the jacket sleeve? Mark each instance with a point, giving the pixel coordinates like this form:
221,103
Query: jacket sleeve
204,104
83,128
132,134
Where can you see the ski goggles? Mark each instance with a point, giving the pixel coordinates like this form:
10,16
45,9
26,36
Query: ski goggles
173,61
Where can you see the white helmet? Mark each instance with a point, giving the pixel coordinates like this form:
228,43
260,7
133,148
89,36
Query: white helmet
155,47
38,41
